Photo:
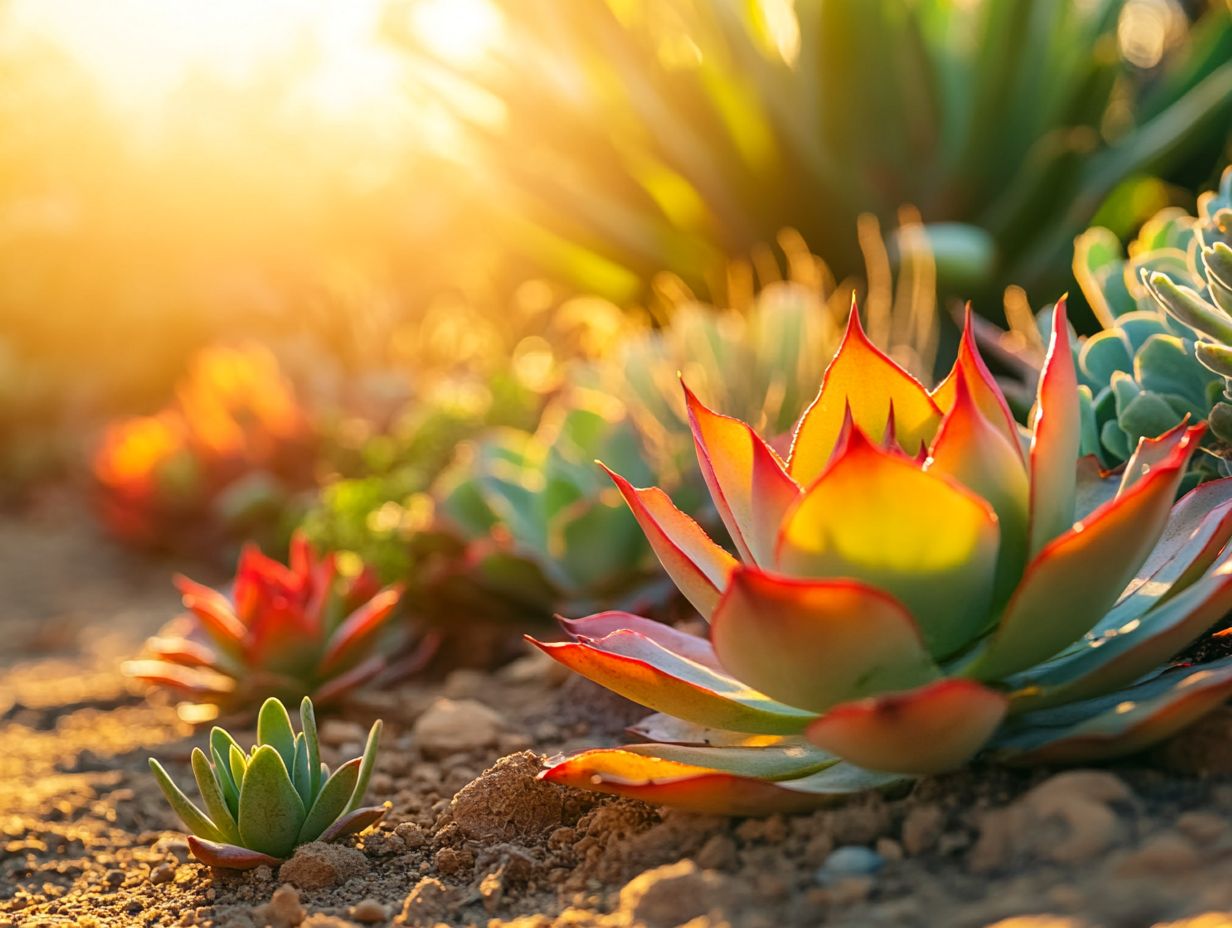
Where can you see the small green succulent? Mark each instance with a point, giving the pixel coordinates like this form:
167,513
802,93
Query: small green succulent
1198,294
263,804
1163,351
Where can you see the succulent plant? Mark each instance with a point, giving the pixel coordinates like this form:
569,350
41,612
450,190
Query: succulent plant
319,627
261,805
1151,365
532,507
225,461
1196,293
916,582
674,134
757,356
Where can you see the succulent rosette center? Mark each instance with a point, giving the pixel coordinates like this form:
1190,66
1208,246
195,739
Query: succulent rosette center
919,579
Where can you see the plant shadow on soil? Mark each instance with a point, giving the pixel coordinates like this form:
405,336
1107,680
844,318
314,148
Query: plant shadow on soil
474,839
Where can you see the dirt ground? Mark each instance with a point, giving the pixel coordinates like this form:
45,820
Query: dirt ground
474,839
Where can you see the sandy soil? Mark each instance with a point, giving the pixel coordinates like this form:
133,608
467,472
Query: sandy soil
85,838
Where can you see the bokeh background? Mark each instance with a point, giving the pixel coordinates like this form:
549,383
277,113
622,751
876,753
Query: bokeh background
347,181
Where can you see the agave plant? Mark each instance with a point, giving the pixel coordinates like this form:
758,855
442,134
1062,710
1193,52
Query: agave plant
226,460
916,582
675,133
320,627
261,805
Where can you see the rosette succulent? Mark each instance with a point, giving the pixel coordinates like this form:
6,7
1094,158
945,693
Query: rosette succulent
262,804
1158,357
539,520
226,460
1197,293
318,626
918,580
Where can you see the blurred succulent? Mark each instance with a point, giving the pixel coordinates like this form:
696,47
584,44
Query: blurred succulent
1156,360
1197,294
536,516
225,461
759,355
261,805
676,133
917,580
319,627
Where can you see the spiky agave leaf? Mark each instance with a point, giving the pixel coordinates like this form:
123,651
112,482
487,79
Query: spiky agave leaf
918,579
670,134
286,631
276,807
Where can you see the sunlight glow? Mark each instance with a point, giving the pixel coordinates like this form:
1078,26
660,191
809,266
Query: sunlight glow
460,31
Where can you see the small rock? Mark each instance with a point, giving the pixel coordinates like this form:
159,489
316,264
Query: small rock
466,683
318,865
412,835
848,861
429,902
449,727
453,862
674,894
1201,827
718,853
849,890
921,829
1068,818
337,732
283,910
1163,854
369,911
889,849
163,873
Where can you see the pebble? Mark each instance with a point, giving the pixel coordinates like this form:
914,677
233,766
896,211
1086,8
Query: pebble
1202,827
338,732
1166,853
163,873
452,726
673,894
369,911
283,907
921,829
412,835
851,860
1069,818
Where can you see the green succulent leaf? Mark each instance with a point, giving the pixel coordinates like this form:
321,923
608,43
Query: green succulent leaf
365,769
271,812
274,728
212,793
301,773
193,818
230,791
1186,305
331,804
308,722
238,762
